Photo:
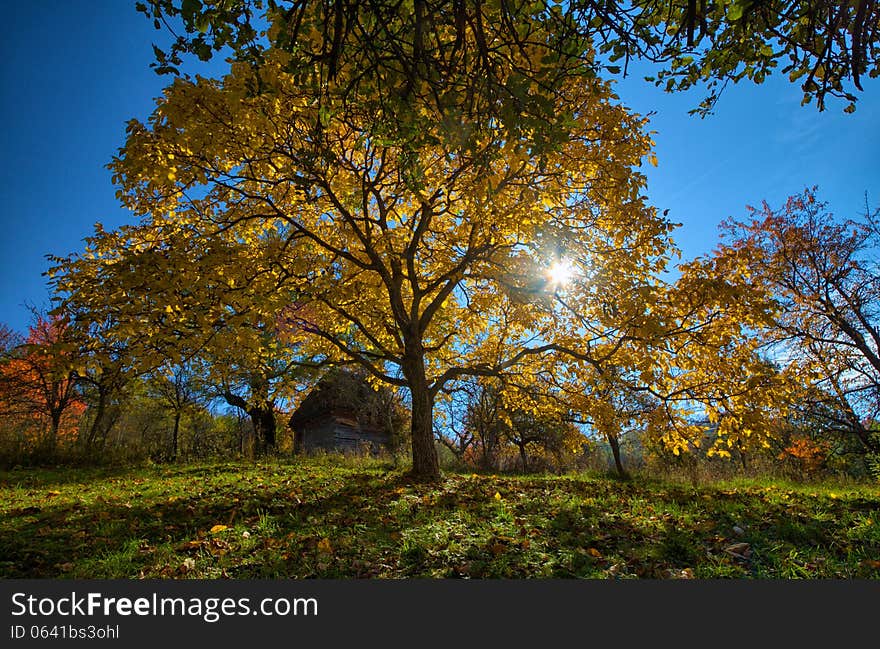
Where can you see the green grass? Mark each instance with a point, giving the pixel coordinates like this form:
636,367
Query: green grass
316,518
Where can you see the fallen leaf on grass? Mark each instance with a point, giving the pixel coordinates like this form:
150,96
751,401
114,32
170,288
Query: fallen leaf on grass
190,545
219,528
593,552
218,548
497,548
739,550
325,546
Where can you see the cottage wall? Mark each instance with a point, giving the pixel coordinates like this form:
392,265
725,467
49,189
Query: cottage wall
337,433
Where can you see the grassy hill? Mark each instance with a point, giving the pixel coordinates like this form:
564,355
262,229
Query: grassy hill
320,518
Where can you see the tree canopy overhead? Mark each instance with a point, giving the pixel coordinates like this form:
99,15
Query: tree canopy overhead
828,47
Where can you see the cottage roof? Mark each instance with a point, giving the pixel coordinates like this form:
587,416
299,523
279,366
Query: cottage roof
341,394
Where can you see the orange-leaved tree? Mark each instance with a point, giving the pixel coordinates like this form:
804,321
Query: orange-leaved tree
38,384
822,275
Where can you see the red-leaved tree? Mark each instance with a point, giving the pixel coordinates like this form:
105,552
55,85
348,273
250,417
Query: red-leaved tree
38,398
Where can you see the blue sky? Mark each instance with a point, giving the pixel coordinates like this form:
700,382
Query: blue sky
73,73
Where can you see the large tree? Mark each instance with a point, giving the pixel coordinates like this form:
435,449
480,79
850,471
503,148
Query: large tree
413,245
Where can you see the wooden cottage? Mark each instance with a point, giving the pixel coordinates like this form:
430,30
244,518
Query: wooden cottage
334,417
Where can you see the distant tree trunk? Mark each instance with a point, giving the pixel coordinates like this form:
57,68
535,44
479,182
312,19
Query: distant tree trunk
523,455
263,420
614,443
487,456
242,435
92,435
174,434
54,427
488,443
742,456
426,465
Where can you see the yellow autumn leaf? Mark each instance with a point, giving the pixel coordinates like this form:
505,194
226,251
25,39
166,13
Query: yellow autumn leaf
497,496
219,528
325,546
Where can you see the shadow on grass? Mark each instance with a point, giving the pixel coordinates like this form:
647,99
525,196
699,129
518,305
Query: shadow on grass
31,478
303,522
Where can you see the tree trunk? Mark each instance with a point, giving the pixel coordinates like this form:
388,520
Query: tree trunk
55,418
523,456
742,456
866,437
426,466
489,444
615,451
487,459
263,420
97,423
174,434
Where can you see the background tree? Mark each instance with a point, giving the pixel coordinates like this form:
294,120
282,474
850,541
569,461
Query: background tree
104,371
822,277
617,411
178,388
9,340
171,295
257,380
38,382
714,379
482,428
506,424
